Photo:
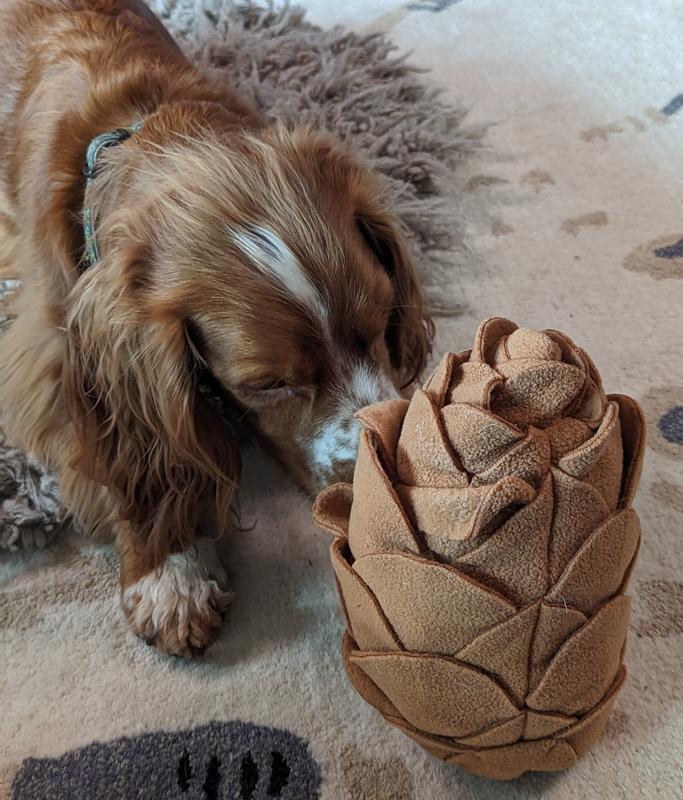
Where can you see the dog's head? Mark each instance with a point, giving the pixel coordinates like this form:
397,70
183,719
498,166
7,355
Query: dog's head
271,259
312,310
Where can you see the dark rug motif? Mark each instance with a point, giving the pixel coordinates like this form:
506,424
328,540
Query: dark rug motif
219,761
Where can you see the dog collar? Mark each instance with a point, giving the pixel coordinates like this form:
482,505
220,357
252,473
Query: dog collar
91,253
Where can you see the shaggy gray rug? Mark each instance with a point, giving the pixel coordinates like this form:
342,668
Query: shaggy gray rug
349,84
30,511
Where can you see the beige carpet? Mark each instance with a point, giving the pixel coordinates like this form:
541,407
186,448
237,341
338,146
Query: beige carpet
570,216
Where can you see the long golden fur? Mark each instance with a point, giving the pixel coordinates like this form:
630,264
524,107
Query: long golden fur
265,256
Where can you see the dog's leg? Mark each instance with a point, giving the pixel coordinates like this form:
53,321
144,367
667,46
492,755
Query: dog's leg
178,604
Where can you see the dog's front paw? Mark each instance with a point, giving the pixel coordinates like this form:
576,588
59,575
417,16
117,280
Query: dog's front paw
179,606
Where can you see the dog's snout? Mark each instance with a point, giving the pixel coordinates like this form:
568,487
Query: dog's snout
332,447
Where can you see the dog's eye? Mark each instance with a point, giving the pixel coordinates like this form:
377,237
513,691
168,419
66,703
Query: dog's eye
270,386
269,391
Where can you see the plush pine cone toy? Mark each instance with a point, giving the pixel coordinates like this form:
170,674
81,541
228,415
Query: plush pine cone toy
483,550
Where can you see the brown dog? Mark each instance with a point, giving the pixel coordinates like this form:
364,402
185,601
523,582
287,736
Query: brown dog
260,257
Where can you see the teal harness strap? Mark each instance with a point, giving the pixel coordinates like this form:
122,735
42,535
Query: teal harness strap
91,253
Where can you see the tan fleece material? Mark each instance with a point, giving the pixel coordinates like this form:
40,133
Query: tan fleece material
483,550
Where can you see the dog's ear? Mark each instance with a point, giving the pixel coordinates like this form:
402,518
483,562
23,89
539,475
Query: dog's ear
410,330
141,428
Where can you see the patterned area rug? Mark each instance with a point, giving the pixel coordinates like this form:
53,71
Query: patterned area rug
569,217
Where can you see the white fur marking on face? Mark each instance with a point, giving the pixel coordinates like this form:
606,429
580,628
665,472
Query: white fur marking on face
189,581
266,250
333,450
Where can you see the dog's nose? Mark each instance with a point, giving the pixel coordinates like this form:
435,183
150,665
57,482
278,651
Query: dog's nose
335,471
332,452
343,470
